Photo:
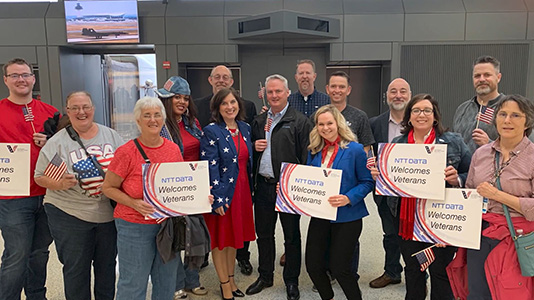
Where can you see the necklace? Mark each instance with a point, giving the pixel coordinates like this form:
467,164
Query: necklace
179,119
234,133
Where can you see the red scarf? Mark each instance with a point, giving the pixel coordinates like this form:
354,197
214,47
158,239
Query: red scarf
407,209
324,152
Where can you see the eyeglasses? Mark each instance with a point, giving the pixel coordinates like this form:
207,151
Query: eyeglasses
218,77
426,111
76,109
150,116
15,76
513,116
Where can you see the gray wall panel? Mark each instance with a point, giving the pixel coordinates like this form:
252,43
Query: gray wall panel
435,27
151,9
372,6
44,78
54,73
151,30
195,30
367,51
195,8
426,6
231,54
28,53
529,4
248,8
336,52
319,7
494,5
496,26
530,26
23,10
201,53
22,32
373,28
56,31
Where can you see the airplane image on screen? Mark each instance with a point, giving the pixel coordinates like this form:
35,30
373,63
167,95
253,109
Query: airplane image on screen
99,35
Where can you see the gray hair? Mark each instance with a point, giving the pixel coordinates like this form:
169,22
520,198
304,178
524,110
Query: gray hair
279,77
148,102
525,106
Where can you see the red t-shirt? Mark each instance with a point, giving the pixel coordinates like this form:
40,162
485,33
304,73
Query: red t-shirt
191,144
15,129
128,162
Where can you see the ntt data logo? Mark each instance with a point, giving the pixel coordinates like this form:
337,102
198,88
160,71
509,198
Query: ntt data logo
12,149
429,149
193,166
327,173
466,194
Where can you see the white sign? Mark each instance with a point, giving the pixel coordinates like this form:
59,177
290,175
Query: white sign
457,221
412,170
14,169
304,190
177,189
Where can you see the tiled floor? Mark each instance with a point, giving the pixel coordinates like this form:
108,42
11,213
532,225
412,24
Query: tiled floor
371,266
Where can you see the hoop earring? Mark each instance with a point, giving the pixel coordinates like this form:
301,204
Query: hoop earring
187,111
435,123
410,123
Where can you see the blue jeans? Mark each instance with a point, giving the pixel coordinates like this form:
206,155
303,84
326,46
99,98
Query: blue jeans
139,258
185,278
26,237
79,245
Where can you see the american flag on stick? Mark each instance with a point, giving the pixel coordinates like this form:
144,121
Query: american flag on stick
371,159
28,115
165,133
486,114
425,257
55,168
268,124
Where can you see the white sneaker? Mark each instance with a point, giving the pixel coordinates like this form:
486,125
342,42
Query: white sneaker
181,294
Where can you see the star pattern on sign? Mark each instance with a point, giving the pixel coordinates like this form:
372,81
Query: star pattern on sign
213,162
225,169
215,182
226,149
219,199
231,179
235,160
212,142
203,153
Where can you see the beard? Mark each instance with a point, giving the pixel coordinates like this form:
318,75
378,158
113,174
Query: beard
397,106
483,90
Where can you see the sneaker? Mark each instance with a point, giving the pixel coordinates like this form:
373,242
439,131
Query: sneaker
199,291
181,294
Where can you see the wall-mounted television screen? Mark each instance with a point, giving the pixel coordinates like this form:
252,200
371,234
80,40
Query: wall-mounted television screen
102,21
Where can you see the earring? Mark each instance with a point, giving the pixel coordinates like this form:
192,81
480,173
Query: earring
435,123
187,111
410,123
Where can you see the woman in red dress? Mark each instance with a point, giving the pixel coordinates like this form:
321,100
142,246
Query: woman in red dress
227,148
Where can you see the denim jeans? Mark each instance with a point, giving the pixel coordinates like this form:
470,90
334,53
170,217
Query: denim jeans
139,258
24,227
185,278
79,245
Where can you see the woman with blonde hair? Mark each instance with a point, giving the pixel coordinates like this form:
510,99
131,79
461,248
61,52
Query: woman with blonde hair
332,145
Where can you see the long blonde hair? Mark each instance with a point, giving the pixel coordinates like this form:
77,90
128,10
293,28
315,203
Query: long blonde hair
345,134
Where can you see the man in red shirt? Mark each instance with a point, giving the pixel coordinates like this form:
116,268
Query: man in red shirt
23,221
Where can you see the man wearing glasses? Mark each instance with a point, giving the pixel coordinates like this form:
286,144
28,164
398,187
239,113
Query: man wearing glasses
23,222
220,77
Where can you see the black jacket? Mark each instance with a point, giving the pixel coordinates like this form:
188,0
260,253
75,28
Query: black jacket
204,112
290,139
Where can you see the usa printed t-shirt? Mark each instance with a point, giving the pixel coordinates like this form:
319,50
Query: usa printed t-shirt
85,200
128,165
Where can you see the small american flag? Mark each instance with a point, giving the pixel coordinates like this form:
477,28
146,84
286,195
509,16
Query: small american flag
55,168
268,124
28,115
165,133
486,114
371,159
425,258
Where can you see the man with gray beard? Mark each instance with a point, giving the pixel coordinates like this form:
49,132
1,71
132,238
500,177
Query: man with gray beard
486,77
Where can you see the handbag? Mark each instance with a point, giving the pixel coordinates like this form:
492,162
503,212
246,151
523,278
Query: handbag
524,243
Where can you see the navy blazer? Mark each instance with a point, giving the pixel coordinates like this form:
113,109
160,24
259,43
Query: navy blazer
380,128
218,148
356,180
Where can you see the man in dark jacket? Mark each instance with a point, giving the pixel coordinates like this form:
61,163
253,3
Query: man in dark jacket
279,135
220,77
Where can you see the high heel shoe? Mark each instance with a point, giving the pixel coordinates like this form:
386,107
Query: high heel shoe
222,293
237,293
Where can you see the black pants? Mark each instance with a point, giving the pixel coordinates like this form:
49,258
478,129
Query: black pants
336,241
243,253
416,280
265,221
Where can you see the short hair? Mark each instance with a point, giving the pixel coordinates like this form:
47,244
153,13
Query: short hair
407,125
345,134
16,61
340,74
306,61
279,77
72,94
218,99
525,106
229,71
486,59
148,102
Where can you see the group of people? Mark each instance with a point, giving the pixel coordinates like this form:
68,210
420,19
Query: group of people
244,152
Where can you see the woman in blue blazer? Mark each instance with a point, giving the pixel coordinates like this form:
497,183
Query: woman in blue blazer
226,145
332,145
